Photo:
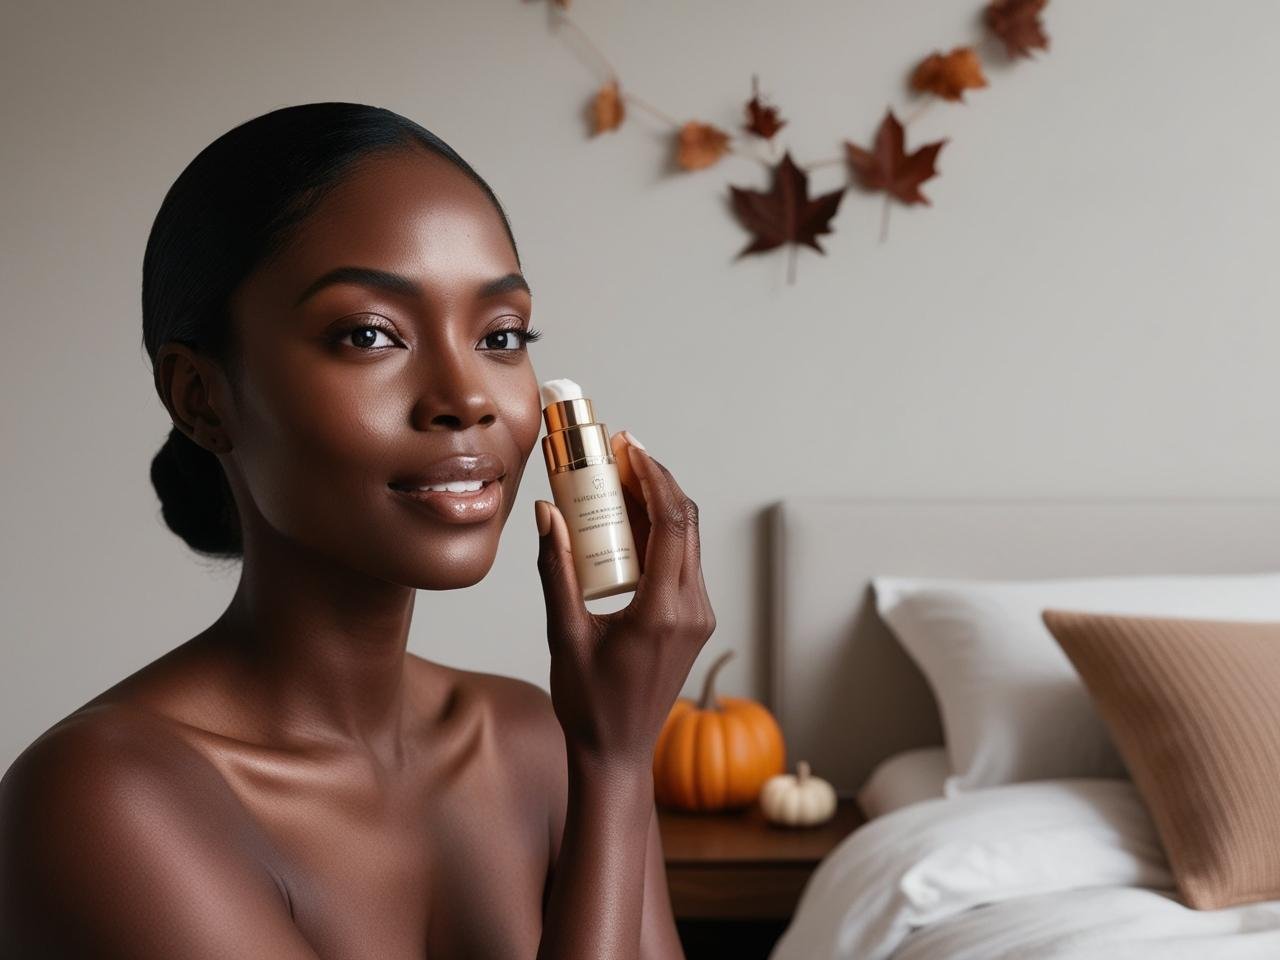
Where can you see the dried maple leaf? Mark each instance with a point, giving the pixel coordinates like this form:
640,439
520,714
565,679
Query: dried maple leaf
949,75
607,108
700,145
1017,24
785,214
888,167
762,120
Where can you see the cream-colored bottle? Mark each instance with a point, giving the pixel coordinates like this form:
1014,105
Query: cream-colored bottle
587,491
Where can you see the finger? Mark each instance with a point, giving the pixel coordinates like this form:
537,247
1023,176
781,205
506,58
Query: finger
692,559
626,473
692,581
691,569
632,495
664,555
706,601
566,612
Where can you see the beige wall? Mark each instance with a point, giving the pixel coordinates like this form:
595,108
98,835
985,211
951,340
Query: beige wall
1088,309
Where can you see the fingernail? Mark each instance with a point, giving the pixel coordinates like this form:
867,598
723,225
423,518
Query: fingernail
542,515
631,439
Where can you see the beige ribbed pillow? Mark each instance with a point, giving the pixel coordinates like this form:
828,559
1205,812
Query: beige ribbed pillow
1194,709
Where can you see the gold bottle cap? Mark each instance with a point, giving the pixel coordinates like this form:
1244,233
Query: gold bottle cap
568,413
574,439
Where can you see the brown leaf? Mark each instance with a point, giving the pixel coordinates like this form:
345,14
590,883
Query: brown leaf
700,145
785,214
607,108
1017,24
762,120
949,75
887,166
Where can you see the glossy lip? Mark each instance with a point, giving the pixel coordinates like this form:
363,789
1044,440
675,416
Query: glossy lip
461,466
475,507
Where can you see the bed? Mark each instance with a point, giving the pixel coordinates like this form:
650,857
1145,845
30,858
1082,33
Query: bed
1056,867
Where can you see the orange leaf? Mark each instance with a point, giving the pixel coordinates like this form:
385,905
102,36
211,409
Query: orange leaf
607,108
1017,24
700,145
888,167
949,75
762,120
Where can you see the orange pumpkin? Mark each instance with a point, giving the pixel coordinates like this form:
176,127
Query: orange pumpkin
716,754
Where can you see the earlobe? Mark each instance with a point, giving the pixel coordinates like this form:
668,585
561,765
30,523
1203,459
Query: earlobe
218,442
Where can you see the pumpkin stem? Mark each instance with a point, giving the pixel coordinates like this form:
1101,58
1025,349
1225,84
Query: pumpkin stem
708,688
802,771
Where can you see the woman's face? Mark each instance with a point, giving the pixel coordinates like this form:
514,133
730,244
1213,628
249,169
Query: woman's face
356,382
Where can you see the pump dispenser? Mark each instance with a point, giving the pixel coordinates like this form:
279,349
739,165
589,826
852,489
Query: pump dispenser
588,492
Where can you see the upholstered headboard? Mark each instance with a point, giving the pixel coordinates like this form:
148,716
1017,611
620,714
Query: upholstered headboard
846,694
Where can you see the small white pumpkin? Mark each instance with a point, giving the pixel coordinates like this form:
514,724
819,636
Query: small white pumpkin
802,800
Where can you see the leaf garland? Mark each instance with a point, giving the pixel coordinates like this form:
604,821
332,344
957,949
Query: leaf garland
785,214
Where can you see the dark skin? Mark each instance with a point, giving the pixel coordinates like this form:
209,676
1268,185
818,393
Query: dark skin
291,782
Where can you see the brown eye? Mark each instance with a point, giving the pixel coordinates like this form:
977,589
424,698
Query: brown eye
368,336
510,339
365,337
504,340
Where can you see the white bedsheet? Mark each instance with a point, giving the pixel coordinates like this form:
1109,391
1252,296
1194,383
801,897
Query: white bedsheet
1060,869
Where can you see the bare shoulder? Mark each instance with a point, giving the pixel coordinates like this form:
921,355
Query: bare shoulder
108,818
90,779
528,718
523,710
105,748
535,746
522,705
530,734
94,756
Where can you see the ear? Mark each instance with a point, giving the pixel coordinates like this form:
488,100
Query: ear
193,389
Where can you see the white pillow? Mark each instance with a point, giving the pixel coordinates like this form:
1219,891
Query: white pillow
1012,707
904,778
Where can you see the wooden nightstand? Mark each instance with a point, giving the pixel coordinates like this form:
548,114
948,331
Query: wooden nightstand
735,878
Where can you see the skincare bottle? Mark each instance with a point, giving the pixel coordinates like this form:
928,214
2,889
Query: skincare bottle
588,492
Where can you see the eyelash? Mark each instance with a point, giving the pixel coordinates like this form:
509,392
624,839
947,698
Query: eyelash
526,337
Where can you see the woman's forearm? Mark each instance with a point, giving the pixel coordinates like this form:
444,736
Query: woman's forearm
597,889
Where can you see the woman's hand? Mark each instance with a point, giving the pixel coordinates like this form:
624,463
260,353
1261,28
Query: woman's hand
615,676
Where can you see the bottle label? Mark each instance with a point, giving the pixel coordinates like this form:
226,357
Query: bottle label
600,533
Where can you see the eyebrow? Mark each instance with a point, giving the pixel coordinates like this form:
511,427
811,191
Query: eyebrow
402,285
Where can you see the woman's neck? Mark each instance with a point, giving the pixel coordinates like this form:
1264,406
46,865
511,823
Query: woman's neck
323,646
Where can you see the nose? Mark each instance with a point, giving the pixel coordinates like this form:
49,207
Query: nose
454,393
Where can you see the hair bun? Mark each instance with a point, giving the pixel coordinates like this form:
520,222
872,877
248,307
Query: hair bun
195,499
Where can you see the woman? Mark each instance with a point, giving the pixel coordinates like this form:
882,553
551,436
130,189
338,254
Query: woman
333,305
